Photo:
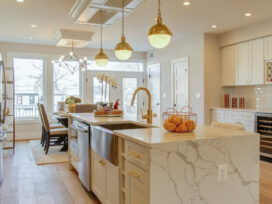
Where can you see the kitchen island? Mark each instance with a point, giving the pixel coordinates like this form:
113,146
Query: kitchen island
209,165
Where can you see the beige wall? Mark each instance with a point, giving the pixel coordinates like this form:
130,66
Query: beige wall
193,48
212,74
249,32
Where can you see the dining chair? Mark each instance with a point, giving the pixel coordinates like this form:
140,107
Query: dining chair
52,125
85,108
53,136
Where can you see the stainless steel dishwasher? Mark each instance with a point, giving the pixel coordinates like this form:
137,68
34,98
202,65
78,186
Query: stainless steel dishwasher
84,154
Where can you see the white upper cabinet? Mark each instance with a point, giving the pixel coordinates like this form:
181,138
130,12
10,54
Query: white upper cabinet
268,48
256,57
228,66
242,64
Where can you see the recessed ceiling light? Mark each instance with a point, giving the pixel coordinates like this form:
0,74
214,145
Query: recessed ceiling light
20,1
186,3
214,26
30,38
33,26
248,14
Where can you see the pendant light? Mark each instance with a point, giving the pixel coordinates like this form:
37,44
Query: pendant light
159,35
122,50
101,59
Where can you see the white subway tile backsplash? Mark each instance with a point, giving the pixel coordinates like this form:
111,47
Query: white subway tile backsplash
259,96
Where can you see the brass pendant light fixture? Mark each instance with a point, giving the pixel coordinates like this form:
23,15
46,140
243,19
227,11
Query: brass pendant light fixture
159,35
122,50
101,59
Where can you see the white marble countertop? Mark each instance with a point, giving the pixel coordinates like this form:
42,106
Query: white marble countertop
245,110
155,134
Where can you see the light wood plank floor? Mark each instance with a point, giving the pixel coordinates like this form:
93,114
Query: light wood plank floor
27,183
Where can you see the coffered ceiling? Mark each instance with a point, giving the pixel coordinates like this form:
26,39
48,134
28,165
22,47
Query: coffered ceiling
50,15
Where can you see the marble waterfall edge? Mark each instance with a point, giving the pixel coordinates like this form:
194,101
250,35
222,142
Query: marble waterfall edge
187,172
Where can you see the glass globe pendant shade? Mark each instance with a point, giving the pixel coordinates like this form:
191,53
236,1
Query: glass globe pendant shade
101,59
122,50
159,35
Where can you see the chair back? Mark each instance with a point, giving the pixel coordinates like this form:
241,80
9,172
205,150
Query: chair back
40,113
85,108
228,126
44,117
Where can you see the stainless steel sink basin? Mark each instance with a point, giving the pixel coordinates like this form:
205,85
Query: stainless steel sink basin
123,126
105,143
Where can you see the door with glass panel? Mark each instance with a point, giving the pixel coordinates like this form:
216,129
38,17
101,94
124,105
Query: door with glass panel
126,84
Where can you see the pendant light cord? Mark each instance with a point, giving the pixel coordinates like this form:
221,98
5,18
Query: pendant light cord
159,8
101,29
123,20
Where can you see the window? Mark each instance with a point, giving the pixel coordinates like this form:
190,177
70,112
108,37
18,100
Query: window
65,83
28,75
117,66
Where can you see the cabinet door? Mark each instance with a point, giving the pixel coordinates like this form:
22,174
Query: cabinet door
268,48
242,64
256,62
98,176
136,185
228,66
111,184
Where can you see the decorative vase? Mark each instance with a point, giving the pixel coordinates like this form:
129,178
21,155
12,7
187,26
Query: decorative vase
71,108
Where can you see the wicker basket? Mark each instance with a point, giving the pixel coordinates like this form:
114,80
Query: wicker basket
179,121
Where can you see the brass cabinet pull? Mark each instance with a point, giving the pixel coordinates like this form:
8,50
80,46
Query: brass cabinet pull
102,162
134,174
134,154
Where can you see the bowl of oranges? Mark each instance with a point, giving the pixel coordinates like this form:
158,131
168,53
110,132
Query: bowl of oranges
179,121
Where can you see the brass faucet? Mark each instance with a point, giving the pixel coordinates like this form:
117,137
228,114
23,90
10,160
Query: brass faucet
149,111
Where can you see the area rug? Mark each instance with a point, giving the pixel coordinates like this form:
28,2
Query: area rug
54,155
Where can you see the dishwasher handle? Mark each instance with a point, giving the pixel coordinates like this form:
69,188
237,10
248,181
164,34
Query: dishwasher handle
82,129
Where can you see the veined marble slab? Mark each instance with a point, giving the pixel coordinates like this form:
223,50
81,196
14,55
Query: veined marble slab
187,172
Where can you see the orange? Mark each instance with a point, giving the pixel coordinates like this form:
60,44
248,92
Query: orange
190,124
179,129
171,118
183,127
171,127
165,124
177,120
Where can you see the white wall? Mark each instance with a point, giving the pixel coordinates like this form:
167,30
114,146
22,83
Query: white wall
249,32
26,130
193,48
212,74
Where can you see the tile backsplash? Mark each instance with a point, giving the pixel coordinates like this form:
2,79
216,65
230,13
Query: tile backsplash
259,96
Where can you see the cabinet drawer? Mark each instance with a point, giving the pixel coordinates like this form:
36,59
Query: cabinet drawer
247,116
137,155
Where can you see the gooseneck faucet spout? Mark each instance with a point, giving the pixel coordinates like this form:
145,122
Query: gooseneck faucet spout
149,111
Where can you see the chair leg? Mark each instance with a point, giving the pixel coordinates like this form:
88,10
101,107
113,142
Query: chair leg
48,144
45,140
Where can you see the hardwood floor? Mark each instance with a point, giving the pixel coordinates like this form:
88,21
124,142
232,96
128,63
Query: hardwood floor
27,183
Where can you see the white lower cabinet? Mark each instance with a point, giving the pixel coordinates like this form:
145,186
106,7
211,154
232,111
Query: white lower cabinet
105,180
136,185
246,119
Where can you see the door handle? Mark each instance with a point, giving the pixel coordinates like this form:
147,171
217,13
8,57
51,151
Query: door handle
158,104
81,129
102,163
134,154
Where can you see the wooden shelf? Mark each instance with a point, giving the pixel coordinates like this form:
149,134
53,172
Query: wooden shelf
265,121
265,126
265,131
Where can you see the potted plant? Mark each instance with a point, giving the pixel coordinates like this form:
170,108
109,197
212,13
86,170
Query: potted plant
71,101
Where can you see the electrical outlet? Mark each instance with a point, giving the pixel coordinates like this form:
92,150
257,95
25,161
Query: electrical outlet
222,172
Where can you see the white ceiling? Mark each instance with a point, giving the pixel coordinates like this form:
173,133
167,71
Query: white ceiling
50,15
